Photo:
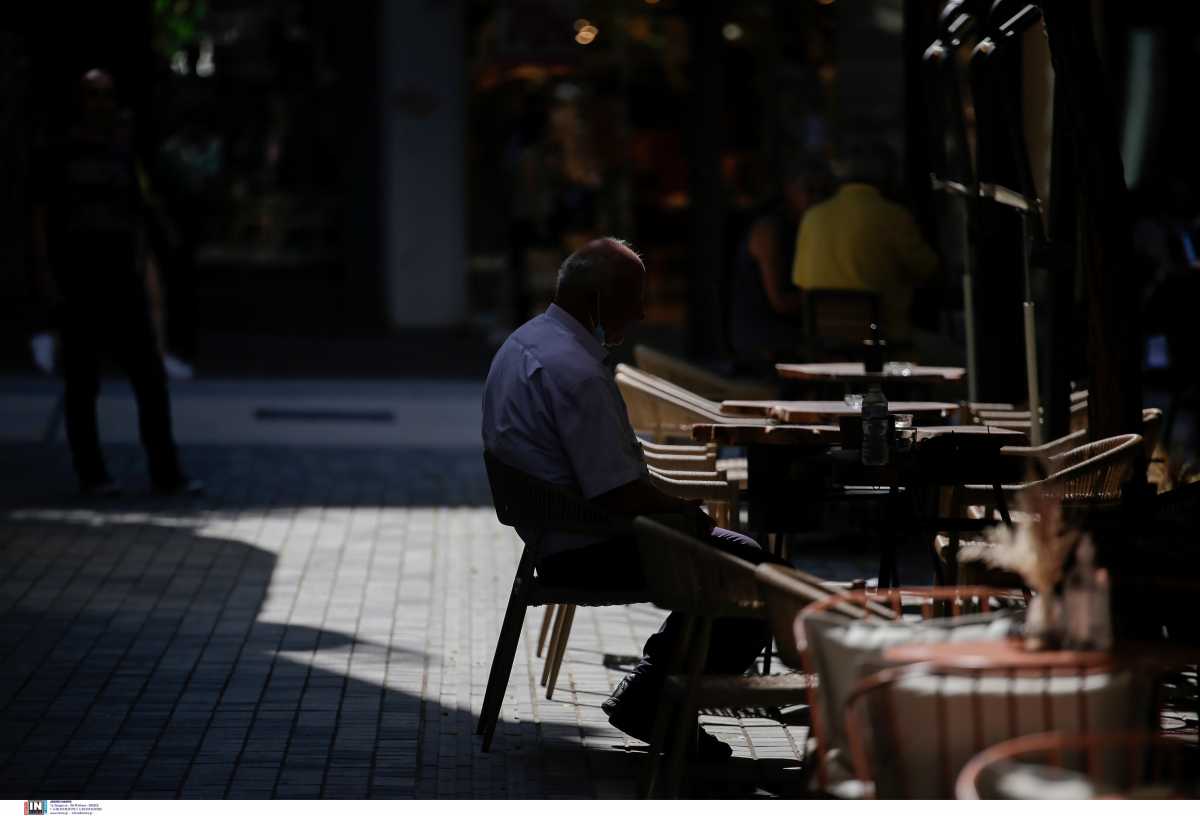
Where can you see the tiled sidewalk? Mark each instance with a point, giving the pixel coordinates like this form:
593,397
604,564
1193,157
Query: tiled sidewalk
321,624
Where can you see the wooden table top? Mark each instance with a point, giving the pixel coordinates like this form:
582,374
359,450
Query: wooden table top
855,373
734,433
801,412
1008,435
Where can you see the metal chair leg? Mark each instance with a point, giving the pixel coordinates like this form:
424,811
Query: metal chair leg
547,618
563,638
502,662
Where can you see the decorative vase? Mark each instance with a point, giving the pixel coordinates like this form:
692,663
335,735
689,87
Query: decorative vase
1043,622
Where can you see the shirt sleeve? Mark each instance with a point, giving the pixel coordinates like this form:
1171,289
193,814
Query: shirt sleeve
596,435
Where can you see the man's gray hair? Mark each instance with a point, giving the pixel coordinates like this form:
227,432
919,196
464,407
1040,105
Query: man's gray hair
583,272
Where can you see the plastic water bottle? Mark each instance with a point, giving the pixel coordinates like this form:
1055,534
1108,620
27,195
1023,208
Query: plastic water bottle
875,427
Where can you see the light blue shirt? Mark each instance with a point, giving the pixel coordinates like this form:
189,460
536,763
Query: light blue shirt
552,409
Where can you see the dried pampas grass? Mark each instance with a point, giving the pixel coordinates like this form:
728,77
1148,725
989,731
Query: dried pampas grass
1036,548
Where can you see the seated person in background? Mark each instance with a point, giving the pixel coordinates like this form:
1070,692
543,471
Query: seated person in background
767,315
860,240
551,408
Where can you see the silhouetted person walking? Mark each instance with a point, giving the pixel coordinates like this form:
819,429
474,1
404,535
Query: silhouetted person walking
88,249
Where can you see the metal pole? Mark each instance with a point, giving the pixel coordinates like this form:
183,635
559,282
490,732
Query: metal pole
1031,364
969,307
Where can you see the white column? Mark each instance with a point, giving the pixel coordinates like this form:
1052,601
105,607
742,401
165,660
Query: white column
422,124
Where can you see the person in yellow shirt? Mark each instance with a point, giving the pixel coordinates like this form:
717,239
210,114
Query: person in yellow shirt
860,240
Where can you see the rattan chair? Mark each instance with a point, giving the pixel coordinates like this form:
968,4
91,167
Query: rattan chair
1151,429
680,457
958,711
1085,478
662,411
698,380
788,591
690,576
792,612
538,507
721,498
1129,765
700,458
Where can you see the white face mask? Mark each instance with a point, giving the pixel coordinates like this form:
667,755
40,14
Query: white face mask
598,330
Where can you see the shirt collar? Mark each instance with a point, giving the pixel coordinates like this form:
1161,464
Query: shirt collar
585,337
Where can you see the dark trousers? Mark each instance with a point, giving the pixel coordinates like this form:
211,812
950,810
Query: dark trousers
117,322
736,642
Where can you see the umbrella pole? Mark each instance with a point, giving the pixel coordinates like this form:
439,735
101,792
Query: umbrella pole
969,307
1031,362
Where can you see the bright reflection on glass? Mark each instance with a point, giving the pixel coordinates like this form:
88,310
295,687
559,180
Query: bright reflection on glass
586,34
581,24
204,63
732,31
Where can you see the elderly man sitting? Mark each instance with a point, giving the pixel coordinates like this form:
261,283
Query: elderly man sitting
552,409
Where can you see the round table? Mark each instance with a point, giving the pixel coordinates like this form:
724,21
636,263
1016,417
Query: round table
856,373
798,412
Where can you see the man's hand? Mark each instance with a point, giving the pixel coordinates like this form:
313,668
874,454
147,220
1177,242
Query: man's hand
642,498
704,523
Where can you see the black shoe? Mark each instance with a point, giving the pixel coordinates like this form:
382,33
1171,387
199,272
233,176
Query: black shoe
182,486
632,710
100,489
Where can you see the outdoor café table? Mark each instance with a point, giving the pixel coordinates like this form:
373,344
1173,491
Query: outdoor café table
938,457
793,467
832,380
856,373
798,412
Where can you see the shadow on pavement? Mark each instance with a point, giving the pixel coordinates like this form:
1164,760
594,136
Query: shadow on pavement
143,659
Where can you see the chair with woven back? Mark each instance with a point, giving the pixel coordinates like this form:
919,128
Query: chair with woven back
538,507
1096,765
719,495
1023,455
668,463
690,576
664,411
1085,479
914,728
837,639
699,458
697,379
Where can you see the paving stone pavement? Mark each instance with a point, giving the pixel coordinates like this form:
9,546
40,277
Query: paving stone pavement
320,624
